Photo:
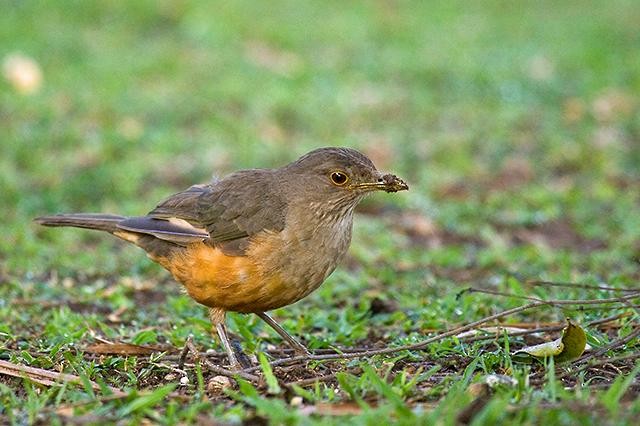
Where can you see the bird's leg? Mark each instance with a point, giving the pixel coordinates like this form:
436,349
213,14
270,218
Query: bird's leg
298,347
217,317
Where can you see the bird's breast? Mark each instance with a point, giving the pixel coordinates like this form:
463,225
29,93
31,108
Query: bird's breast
279,268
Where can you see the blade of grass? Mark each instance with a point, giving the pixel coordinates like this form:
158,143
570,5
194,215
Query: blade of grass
144,401
273,387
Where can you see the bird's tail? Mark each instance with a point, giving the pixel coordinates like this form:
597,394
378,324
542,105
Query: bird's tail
99,221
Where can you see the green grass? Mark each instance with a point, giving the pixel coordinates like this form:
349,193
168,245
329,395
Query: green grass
517,126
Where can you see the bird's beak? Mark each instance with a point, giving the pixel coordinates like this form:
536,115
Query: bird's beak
386,182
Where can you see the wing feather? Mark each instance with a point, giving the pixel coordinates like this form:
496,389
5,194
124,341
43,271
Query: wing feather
229,212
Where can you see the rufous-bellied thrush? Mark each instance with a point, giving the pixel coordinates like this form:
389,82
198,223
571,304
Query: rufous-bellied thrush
257,239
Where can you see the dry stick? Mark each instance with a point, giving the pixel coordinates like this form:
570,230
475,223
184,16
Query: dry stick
622,299
615,344
424,343
593,304
279,351
283,351
415,346
550,328
471,339
612,360
498,293
185,351
608,319
579,285
47,377
591,365
606,307
634,307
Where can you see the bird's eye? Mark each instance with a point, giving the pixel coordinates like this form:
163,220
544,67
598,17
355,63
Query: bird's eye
339,178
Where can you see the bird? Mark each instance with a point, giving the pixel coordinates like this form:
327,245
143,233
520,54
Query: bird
255,240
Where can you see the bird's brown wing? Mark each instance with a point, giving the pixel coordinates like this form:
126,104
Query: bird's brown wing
224,214
241,206
183,205
174,223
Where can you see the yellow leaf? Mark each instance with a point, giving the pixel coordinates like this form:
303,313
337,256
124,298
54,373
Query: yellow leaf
575,340
566,348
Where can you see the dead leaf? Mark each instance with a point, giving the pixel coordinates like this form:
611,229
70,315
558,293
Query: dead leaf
125,349
566,348
575,342
218,385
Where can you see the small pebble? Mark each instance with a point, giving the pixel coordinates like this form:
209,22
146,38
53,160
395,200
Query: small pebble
218,384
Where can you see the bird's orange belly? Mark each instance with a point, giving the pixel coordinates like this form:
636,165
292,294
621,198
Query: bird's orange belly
231,283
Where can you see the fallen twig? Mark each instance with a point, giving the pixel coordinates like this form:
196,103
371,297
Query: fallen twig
499,333
635,294
46,377
608,319
415,346
550,328
580,285
453,332
615,344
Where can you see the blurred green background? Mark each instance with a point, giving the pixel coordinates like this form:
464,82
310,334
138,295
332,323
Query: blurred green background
516,124
142,98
